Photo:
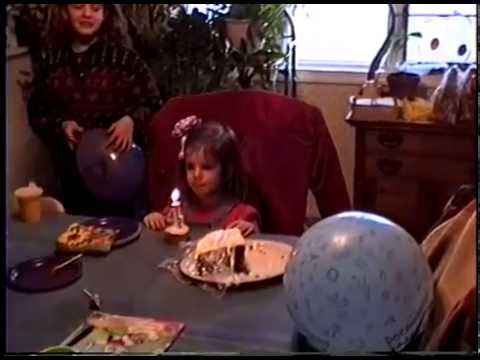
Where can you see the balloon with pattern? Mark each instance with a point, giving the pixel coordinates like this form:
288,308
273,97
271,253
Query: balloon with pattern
357,282
114,177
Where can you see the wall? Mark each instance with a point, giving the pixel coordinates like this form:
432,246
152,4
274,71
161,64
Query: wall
330,92
27,158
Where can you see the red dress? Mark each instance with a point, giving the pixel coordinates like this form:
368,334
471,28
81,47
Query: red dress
221,219
285,146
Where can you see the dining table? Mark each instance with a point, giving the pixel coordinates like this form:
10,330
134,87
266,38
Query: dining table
246,319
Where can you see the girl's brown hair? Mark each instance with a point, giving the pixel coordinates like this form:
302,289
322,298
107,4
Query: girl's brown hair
219,142
114,27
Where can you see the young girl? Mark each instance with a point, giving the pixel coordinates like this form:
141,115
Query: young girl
211,179
87,79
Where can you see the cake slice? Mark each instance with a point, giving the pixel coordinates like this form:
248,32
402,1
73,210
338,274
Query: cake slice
220,252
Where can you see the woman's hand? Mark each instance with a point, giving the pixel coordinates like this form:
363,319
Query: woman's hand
155,221
246,228
121,134
72,131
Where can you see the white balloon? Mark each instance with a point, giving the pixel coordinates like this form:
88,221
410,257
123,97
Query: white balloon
357,282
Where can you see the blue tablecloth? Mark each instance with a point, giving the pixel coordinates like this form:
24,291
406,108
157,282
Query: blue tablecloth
248,320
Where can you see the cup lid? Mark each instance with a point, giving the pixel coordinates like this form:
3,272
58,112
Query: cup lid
32,190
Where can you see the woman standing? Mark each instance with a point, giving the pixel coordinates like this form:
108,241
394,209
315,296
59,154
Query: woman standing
89,80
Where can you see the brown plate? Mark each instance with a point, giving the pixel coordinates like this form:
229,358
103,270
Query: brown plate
265,259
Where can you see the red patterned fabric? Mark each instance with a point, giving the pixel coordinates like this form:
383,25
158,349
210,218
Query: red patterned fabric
285,145
94,88
243,212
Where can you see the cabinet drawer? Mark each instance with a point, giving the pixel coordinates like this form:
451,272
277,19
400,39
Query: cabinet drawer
380,142
439,170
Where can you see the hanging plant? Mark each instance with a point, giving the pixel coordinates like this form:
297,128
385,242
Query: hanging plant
394,56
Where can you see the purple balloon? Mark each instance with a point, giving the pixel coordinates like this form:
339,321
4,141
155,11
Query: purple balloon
114,177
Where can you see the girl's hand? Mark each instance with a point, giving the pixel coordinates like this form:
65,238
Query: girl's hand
155,221
121,134
72,132
246,228
169,216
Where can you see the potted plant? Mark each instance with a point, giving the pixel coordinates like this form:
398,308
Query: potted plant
401,83
255,23
394,56
32,23
256,33
238,21
186,51
147,24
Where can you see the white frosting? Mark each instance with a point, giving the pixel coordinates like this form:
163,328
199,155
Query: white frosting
219,239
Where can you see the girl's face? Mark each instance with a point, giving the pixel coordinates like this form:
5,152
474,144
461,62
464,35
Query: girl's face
203,173
86,19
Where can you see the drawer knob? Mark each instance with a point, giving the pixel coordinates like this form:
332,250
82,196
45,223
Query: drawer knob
390,141
389,167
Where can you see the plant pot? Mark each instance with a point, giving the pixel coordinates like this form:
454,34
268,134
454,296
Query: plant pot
403,84
237,29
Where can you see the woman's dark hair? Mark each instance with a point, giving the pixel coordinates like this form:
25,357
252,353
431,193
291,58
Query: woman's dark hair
114,27
219,142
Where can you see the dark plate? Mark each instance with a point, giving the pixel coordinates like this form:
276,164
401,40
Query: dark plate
35,275
128,230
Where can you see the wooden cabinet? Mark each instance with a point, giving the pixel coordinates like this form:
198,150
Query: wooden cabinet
407,171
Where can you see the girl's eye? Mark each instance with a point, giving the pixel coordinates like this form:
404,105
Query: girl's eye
97,7
207,167
189,167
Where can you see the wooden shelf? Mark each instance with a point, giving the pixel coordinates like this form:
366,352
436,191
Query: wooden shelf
406,171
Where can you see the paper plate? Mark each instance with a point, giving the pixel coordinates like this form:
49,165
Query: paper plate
265,260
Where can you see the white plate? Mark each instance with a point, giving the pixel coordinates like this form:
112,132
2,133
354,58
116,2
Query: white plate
265,259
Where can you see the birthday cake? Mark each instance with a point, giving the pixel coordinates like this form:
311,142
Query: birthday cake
221,252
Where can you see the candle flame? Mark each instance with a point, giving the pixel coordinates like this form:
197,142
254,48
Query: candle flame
175,195
113,156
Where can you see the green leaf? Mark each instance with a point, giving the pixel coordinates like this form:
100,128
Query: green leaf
416,34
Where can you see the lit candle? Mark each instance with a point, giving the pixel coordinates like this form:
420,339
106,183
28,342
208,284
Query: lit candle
175,204
178,230
175,198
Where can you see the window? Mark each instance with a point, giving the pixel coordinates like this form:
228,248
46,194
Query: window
339,36
346,37
448,33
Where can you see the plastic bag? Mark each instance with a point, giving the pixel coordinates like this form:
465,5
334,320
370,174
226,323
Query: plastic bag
446,97
468,90
172,265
